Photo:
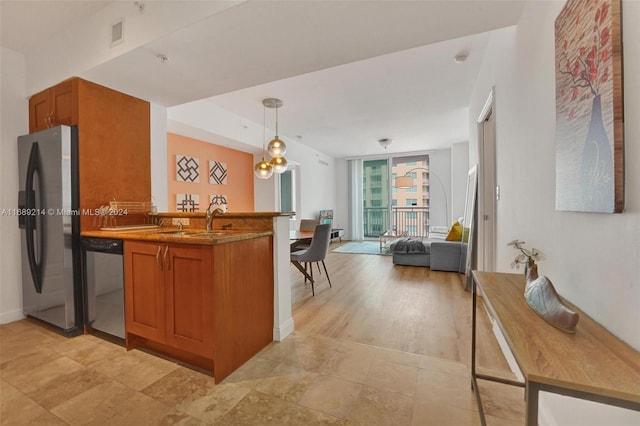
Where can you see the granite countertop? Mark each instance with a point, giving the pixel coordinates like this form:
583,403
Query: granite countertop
226,214
174,235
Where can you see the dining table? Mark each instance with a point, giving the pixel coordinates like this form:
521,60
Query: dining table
296,236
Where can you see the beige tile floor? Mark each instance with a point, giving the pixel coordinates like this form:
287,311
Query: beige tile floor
47,379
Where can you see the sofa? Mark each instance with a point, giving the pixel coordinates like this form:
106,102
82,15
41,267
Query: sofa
434,252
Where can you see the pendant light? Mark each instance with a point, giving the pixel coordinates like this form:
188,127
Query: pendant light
279,164
276,148
263,169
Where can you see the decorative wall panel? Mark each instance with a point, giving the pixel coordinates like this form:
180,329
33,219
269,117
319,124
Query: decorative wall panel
217,173
218,199
187,202
187,169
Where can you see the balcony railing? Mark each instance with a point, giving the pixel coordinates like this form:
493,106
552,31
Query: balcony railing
375,221
409,221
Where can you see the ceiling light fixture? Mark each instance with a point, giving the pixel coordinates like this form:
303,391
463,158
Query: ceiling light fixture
276,148
385,142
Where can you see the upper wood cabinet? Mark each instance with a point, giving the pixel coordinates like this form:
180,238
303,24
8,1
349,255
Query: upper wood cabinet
54,106
114,142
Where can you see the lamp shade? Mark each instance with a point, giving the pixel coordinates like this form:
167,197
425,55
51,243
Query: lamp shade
279,164
277,148
404,182
263,169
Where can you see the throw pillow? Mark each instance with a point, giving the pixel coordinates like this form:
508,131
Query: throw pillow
465,235
455,233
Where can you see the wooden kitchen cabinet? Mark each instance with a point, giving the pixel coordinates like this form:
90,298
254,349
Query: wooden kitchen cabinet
114,143
169,295
144,290
54,106
207,305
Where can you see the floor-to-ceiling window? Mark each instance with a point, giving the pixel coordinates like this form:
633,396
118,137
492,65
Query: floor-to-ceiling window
385,207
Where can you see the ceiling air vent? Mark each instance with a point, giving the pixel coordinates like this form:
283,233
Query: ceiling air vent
117,32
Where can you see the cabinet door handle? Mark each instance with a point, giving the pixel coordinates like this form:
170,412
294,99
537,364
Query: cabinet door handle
166,260
158,257
49,122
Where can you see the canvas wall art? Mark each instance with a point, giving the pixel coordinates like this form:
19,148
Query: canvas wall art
187,169
326,216
589,107
217,173
187,202
219,200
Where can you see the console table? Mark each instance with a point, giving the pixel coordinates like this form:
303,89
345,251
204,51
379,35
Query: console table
591,364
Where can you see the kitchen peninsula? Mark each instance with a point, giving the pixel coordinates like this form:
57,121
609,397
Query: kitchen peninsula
201,296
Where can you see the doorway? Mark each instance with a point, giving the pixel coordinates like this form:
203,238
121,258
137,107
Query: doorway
487,192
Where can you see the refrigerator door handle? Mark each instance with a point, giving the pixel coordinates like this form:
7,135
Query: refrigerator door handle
33,172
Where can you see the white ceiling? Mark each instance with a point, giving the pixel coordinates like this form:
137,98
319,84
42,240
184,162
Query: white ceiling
26,23
348,72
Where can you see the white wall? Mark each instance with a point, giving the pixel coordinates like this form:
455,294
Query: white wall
317,173
440,203
592,259
13,123
459,176
159,178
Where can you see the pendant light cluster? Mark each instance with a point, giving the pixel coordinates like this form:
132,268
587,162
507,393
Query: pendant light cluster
277,148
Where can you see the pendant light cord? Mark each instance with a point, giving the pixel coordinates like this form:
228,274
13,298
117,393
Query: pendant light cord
276,122
264,129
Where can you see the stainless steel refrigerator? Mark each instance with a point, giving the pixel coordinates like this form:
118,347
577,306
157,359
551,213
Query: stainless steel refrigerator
49,219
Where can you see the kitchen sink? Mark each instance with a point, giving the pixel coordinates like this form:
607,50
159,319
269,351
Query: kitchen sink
209,234
177,233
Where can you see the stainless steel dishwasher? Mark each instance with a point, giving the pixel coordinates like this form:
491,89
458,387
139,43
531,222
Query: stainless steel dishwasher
104,285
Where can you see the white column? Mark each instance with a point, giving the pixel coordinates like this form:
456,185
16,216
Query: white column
282,319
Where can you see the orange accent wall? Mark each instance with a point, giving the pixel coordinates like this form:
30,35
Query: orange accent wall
239,187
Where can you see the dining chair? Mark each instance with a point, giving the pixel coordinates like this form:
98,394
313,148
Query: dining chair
308,224
305,225
316,252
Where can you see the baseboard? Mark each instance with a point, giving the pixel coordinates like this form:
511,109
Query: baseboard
285,329
11,316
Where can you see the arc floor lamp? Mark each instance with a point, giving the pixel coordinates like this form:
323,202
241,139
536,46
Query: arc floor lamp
408,181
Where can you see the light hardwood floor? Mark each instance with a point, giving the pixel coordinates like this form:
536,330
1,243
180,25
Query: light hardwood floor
387,345
405,308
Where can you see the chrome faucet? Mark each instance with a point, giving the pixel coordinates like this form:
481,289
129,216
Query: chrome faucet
211,213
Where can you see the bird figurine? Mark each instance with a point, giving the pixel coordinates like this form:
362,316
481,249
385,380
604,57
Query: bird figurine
542,297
